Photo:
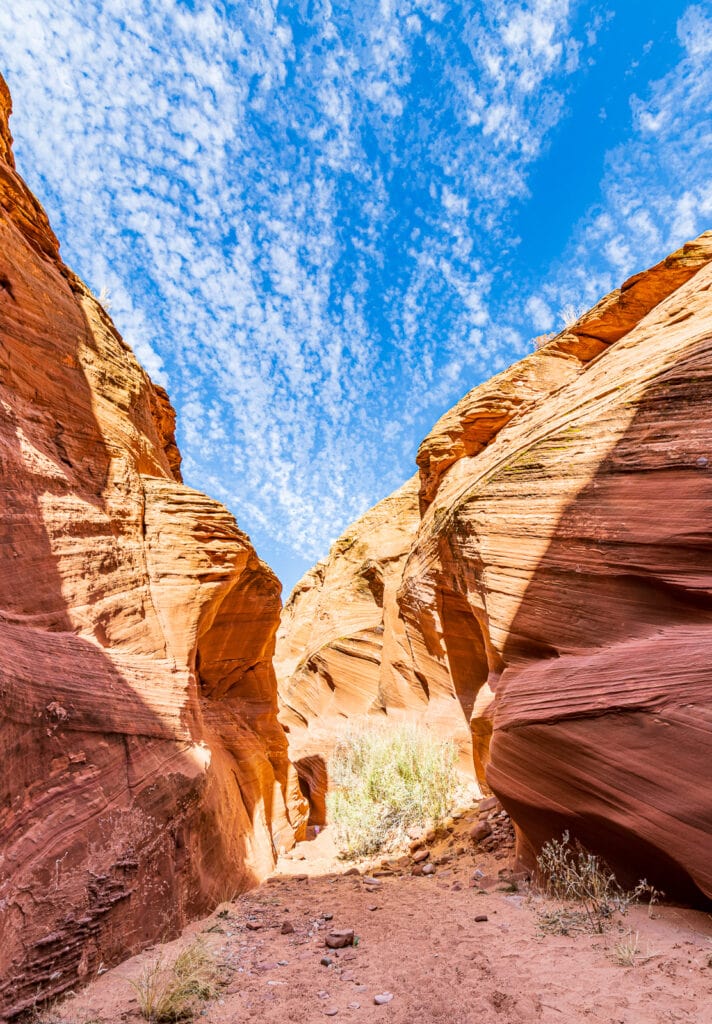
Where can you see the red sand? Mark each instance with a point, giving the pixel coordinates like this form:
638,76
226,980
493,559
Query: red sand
422,944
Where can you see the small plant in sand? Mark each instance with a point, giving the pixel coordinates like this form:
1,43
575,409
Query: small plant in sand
386,780
627,952
172,991
53,1015
586,886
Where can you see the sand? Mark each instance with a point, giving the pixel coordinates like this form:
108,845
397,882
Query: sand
418,940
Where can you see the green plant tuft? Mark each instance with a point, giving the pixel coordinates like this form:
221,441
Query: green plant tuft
386,780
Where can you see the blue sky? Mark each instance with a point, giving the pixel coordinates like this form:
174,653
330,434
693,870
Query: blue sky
319,224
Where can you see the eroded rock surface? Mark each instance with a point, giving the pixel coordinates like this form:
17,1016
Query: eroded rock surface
342,651
557,590
563,572
145,773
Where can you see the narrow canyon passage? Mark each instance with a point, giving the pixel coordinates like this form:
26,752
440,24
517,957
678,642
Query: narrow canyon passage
446,949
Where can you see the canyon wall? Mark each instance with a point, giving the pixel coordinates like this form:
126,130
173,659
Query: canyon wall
342,650
146,776
558,584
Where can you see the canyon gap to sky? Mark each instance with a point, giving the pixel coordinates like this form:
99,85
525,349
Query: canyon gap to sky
320,224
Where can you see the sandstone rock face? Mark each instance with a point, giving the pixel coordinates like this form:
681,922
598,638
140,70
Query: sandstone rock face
562,570
557,589
342,652
145,773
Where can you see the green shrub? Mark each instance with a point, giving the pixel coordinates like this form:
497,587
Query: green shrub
385,780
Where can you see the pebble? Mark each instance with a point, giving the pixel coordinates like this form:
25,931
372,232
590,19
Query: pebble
396,863
382,998
287,928
420,855
332,1011
352,871
340,939
354,1006
488,805
480,831
253,925
369,880
481,917
429,869
325,961
373,906
327,917
347,976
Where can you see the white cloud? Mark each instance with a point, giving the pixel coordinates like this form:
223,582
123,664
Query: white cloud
656,190
257,201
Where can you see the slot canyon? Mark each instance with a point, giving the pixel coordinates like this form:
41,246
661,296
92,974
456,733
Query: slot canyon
539,592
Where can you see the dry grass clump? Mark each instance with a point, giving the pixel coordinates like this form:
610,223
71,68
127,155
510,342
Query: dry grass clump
585,885
386,780
173,991
627,952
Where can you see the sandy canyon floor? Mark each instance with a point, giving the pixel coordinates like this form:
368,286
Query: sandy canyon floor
422,940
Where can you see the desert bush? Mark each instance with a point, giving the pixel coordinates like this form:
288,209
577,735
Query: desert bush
172,991
574,875
386,780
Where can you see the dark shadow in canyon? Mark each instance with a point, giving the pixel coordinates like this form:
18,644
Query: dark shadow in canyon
465,649
314,783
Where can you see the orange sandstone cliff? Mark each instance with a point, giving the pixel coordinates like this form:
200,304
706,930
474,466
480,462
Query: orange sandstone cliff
145,776
342,650
559,583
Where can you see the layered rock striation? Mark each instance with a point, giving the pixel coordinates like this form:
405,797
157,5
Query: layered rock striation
146,776
342,652
558,583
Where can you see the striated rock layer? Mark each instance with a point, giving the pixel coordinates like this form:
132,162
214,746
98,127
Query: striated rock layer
559,583
146,776
342,651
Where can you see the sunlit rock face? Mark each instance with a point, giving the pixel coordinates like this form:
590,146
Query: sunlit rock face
145,776
562,571
555,595
342,651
